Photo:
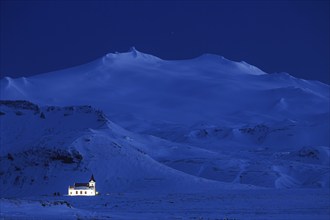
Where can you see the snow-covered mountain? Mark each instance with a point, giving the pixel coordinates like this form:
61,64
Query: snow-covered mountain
207,123
137,90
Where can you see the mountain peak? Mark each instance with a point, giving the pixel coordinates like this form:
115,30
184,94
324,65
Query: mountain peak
133,55
241,66
134,51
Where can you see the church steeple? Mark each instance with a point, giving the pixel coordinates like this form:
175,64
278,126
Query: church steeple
92,178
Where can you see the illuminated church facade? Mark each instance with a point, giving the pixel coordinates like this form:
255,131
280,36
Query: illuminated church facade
83,189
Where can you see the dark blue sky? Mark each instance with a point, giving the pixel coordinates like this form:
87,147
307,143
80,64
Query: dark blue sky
276,36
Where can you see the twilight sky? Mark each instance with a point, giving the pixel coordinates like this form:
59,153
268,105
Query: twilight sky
276,36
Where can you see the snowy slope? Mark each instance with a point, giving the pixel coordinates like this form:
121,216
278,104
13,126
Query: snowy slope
140,89
207,120
45,149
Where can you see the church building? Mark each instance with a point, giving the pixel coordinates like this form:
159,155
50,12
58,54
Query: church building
83,189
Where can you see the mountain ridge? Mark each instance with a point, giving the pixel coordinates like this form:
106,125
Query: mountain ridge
199,90
209,121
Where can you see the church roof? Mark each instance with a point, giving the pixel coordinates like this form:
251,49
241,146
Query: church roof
92,178
81,185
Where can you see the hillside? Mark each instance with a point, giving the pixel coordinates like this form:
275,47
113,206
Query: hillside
45,149
152,127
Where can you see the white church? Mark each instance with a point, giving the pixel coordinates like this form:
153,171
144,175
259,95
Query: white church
83,189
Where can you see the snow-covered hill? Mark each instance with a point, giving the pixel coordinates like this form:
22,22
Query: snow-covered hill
44,149
165,138
208,120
